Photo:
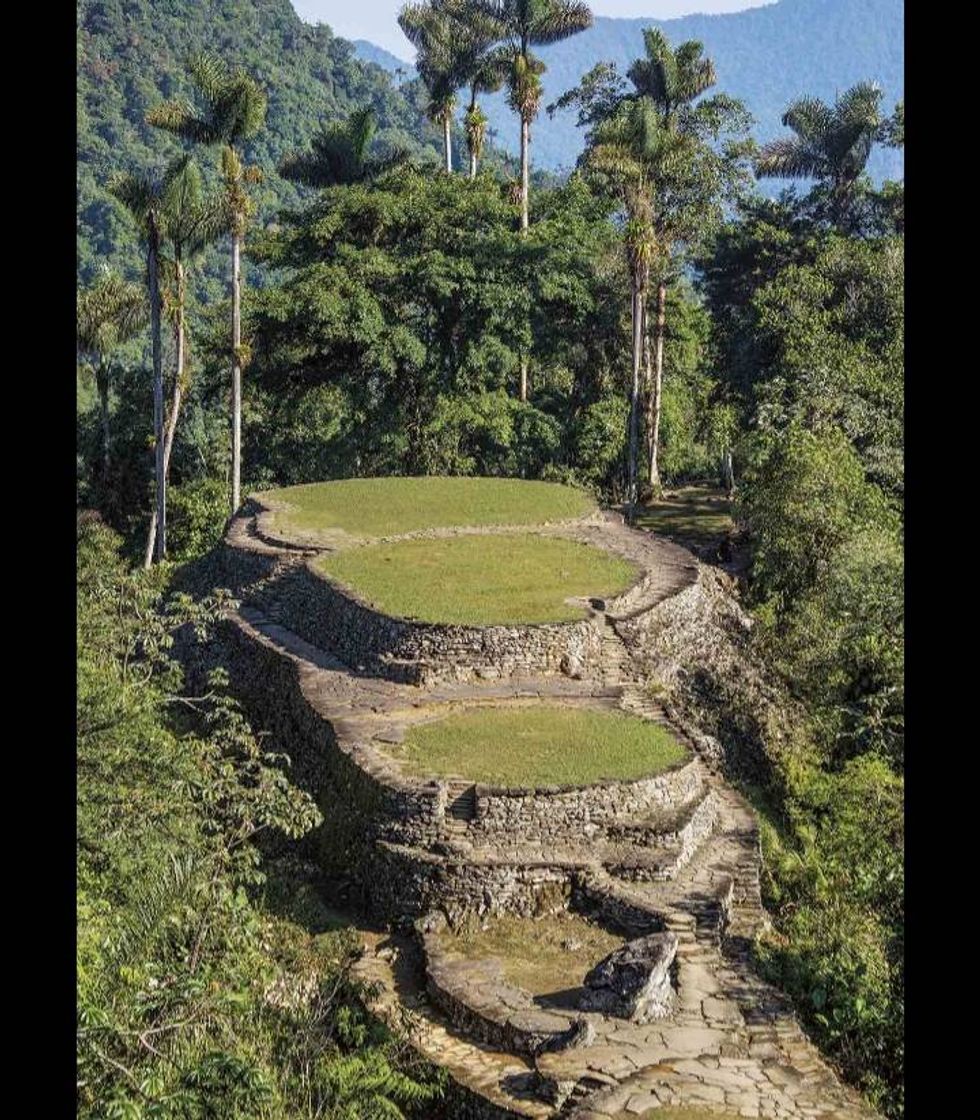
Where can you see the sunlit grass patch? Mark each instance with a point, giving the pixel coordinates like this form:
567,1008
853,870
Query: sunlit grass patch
698,514
377,507
518,745
480,580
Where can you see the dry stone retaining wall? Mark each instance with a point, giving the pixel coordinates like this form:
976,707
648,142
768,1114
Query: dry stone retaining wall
573,815
285,585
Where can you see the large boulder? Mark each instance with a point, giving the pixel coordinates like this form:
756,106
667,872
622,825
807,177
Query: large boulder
634,981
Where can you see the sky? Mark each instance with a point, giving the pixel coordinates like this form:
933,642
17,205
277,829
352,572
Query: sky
375,20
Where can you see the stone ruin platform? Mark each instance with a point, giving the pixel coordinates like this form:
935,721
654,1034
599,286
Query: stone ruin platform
337,683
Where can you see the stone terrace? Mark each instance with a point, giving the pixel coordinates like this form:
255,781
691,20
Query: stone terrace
338,683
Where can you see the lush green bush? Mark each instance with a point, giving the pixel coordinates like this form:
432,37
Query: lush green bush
835,882
194,998
197,512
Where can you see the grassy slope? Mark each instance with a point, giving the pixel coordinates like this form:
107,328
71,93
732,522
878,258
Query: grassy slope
378,507
480,580
539,746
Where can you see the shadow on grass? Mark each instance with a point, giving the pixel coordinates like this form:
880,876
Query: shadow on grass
698,515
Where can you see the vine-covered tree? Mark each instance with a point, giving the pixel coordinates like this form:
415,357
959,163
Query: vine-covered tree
193,221
635,152
231,109
684,195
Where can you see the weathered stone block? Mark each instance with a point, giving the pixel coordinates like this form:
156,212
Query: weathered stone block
634,982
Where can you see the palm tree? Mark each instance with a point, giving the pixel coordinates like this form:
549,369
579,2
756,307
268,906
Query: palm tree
192,221
524,24
830,143
672,80
109,312
339,155
635,151
481,65
431,29
144,198
231,109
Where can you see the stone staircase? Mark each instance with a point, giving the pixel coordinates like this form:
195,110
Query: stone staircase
460,805
614,656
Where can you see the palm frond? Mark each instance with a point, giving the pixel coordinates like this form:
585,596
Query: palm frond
788,158
137,193
109,312
558,19
809,117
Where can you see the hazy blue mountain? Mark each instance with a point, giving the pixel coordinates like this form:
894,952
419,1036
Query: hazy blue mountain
765,56
369,52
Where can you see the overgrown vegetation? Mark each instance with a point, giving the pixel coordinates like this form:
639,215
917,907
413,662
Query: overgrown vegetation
195,997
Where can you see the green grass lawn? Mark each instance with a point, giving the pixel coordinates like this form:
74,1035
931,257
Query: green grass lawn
479,580
518,745
542,955
378,507
699,514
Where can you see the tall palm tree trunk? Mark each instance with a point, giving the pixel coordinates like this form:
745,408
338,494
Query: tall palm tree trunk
236,370
647,385
632,464
727,472
656,397
447,140
180,335
525,144
157,545
102,383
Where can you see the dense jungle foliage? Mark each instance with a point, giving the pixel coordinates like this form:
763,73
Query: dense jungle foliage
386,321
211,981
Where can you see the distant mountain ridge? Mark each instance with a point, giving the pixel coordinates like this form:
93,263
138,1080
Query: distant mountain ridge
766,56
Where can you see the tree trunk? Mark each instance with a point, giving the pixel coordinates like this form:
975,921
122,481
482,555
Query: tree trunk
236,371
469,132
525,142
647,385
102,382
159,539
657,395
727,472
632,464
168,440
447,139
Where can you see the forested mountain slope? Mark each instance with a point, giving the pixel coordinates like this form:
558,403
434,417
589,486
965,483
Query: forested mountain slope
132,53
766,56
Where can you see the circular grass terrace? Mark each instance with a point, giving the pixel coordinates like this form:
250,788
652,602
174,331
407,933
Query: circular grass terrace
520,746
381,507
480,580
